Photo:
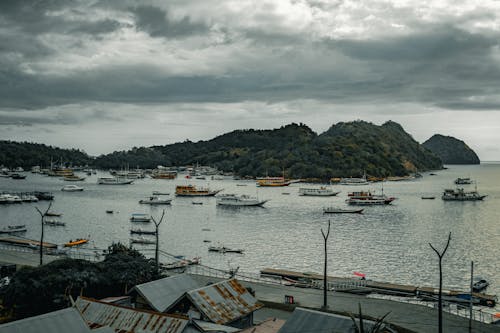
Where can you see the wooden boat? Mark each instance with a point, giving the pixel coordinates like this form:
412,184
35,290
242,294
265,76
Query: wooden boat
428,198
193,191
463,181
113,181
73,178
234,200
72,188
141,240
142,232
162,174
76,242
197,203
323,191
272,181
54,222
367,198
13,229
181,263
333,210
460,194
109,211
223,249
160,193
53,214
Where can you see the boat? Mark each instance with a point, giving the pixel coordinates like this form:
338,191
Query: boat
17,176
223,249
13,229
479,284
140,217
160,193
428,197
54,222
367,198
193,191
354,180
333,210
460,194
197,203
73,178
53,214
140,231
155,200
43,195
128,174
463,181
142,240
272,181
113,181
239,200
181,263
163,174
76,242
109,211
323,191
72,188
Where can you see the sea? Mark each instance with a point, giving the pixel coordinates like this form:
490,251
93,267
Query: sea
387,243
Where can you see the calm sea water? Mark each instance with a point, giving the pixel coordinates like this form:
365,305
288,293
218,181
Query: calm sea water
389,243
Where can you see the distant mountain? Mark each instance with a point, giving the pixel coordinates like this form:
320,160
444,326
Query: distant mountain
26,154
451,150
346,149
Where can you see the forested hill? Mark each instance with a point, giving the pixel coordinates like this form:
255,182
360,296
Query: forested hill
27,154
346,149
451,150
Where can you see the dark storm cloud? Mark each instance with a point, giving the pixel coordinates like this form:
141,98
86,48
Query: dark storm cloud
156,23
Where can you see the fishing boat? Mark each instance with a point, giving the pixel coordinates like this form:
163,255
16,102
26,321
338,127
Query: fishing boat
272,181
140,217
13,229
76,242
463,181
73,178
72,188
53,222
113,181
141,240
155,200
428,197
193,191
181,263
239,200
367,198
223,249
333,210
140,231
460,194
323,191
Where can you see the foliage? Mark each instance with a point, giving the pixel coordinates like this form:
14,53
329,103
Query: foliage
451,150
360,327
34,291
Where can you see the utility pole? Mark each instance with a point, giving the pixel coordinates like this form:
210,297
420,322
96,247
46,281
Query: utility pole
471,290
440,300
42,217
157,233
325,282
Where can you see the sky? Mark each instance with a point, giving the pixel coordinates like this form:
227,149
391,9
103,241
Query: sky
110,75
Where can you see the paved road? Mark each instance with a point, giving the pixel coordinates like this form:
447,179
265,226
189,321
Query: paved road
417,318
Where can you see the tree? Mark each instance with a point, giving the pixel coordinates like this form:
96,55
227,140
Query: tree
325,282
440,302
42,216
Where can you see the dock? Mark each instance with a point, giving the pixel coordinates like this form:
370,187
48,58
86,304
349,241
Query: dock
375,286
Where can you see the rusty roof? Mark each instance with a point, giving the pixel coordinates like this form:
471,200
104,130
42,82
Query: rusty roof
62,321
224,302
120,318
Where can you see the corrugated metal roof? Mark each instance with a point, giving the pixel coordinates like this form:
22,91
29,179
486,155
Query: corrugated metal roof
271,325
98,314
62,321
162,293
305,320
104,329
211,327
224,302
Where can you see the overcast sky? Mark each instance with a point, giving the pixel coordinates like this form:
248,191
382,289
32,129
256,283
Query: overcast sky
110,75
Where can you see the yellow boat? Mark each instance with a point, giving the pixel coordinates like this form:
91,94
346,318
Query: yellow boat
76,242
193,191
272,181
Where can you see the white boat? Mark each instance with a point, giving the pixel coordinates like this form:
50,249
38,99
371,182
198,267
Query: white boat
367,198
113,181
353,181
239,200
479,284
72,188
463,181
323,191
460,194
155,200
140,217
367,202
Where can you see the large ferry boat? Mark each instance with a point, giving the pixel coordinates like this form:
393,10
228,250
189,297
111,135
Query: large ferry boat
193,191
460,194
239,200
272,181
323,191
